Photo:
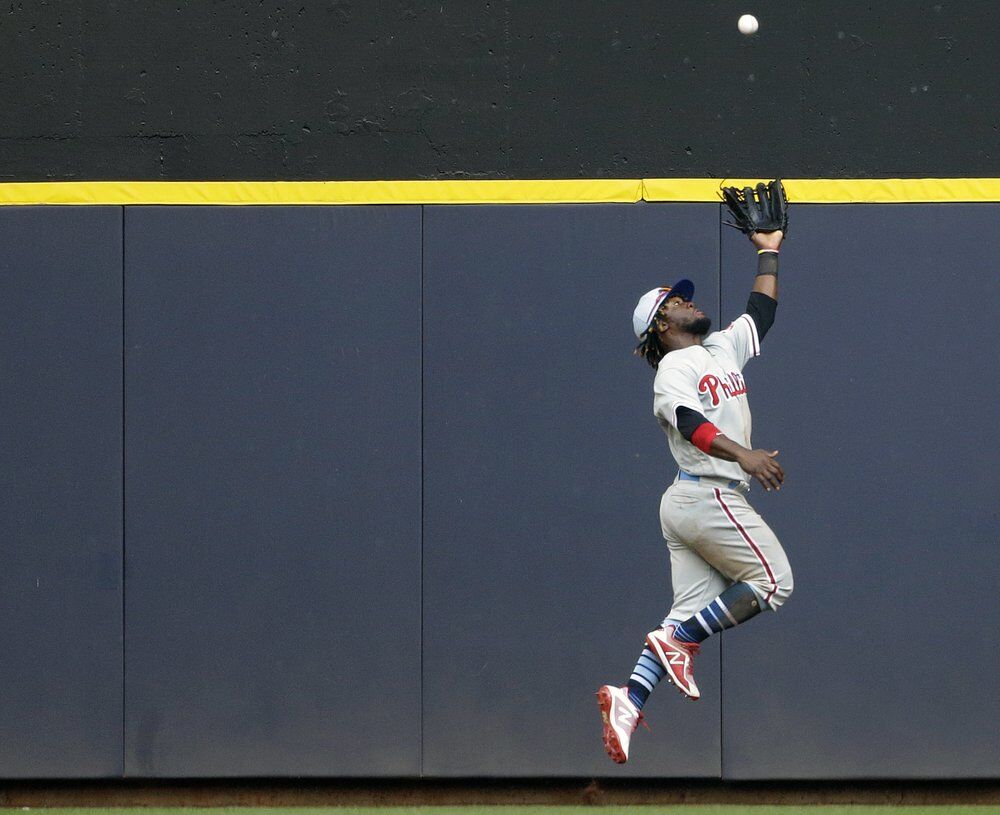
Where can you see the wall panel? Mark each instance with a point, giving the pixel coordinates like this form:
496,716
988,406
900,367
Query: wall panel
543,561
273,491
61,494
877,384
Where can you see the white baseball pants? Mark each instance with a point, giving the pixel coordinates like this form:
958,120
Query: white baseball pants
716,539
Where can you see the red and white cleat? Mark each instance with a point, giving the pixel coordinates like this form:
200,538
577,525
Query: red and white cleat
620,718
675,656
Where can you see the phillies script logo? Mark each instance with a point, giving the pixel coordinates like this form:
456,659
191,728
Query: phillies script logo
729,387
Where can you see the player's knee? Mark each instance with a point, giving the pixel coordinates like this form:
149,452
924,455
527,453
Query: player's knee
773,588
785,584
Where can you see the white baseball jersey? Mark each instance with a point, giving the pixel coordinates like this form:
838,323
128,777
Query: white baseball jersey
708,378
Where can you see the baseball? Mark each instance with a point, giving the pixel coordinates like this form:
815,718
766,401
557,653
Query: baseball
747,24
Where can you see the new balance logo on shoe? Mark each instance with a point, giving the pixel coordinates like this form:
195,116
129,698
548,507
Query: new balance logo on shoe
675,656
626,718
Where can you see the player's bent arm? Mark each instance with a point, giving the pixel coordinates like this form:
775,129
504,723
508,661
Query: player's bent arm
704,435
761,464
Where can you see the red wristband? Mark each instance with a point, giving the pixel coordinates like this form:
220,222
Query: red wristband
704,435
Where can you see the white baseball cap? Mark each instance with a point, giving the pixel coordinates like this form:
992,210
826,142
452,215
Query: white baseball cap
642,317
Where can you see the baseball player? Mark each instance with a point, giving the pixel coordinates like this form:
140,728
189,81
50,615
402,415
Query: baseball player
726,564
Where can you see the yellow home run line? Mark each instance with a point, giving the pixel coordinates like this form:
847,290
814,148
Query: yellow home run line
582,191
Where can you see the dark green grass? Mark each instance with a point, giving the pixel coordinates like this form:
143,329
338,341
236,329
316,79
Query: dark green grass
707,809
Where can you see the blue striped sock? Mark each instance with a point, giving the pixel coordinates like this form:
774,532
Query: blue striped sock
735,605
647,672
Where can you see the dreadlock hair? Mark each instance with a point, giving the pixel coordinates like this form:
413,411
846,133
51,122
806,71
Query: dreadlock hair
650,349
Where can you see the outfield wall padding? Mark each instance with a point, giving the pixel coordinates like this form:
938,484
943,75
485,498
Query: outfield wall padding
391,481
273,492
878,385
61,499
542,473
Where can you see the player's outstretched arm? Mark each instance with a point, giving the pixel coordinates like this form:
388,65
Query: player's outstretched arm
768,244
761,214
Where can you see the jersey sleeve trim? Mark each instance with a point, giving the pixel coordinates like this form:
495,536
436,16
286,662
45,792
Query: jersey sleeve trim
754,339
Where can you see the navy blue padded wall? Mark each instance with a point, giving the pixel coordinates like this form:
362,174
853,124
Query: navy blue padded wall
273,491
61,500
544,565
878,385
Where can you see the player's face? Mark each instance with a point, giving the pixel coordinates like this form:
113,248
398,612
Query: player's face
683,316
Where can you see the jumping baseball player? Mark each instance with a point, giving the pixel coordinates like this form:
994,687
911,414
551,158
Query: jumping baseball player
726,564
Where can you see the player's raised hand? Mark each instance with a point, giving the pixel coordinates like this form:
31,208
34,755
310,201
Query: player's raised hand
767,240
763,466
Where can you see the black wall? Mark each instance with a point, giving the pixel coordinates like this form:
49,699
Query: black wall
343,89
373,491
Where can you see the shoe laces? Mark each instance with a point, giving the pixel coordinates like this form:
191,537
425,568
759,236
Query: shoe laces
639,718
692,648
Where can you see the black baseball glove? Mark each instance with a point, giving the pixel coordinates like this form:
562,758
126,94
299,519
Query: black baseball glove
762,210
